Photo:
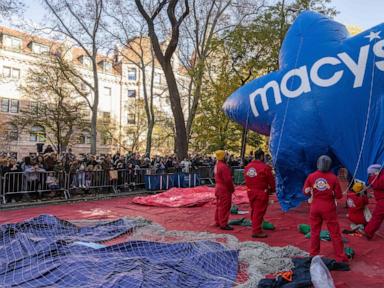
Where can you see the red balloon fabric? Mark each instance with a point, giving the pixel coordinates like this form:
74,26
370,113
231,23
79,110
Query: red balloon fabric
189,197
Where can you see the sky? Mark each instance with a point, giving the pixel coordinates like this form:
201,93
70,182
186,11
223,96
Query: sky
362,13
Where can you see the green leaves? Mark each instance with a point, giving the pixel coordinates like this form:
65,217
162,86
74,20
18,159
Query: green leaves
239,55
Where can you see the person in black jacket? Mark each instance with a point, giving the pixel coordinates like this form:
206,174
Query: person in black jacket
49,149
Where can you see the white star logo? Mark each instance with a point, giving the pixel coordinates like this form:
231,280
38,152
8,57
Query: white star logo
373,35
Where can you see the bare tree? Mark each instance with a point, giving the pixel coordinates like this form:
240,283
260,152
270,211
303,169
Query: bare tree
128,29
9,7
165,59
200,30
137,129
57,107
81,22
208,22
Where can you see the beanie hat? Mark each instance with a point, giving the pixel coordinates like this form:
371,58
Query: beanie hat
357,187
220,155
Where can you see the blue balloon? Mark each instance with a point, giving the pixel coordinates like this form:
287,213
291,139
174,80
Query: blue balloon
326,98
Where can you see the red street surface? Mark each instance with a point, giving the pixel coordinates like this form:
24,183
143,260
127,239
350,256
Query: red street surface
367,266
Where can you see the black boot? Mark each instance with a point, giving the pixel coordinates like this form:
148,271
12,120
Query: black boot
226,227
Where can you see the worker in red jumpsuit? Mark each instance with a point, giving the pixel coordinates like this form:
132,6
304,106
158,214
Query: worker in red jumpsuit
260,182
223,191
324,188
357,200
376,181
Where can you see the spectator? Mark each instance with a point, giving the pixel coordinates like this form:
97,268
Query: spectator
185,165
49,149
81,168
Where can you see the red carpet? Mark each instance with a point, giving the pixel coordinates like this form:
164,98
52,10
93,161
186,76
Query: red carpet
367,267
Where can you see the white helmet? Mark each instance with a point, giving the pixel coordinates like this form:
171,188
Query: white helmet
373,169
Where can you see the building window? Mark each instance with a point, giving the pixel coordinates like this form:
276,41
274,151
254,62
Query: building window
4,105
14,108
9,105
15,73
39,48
11,42
131,93
106,66
9,72
157,78
85,138
131,118
107,91
34,107
86,61
13,133
37,134
132,74
106,117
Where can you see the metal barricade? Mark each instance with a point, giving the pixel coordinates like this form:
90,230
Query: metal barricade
138,178
34,184
124,180
206,174
14,184
91,180
233,168
1,190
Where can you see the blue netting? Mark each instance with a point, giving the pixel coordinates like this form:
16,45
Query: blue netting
49,252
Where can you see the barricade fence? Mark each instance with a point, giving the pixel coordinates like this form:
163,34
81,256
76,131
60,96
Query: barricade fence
91,180
16,185
34,185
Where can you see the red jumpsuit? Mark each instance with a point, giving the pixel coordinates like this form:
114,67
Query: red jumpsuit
260,181
325,188
356,204
223,192
377,184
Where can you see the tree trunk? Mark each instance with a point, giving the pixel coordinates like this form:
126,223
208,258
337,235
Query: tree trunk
93,130
94,109
58,146
181,140
193,110
66,139
197,95
148,103
244,137
148,148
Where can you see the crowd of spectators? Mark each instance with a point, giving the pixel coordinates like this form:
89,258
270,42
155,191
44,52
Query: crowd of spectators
82,168
71,163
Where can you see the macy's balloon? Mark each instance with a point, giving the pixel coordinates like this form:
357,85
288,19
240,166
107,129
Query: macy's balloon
327,98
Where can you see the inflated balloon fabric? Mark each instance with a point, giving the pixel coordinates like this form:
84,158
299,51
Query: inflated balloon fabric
326,98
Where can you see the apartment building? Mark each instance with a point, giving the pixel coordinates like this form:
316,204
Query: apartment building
120,85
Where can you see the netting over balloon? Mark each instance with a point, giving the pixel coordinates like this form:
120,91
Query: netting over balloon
49,252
